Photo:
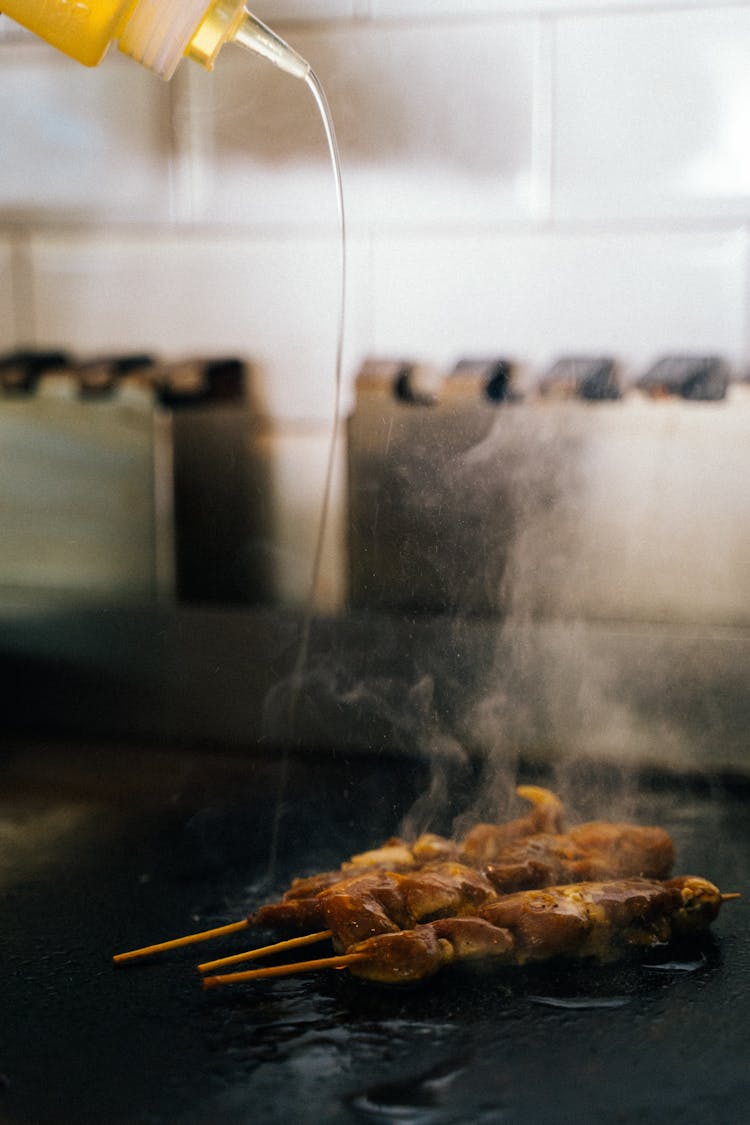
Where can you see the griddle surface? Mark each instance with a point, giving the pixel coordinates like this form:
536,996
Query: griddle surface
91,870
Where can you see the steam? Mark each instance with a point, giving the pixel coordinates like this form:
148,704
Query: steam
517,641
556,688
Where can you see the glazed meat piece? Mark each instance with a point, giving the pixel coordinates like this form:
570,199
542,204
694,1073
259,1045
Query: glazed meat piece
414,955
403,957
625,849
397,855
444,889
485,842
376,904
363,907
589,852
394,855
600,920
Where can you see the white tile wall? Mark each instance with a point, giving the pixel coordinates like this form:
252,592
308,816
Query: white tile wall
272,11
522,176
81,144
272,299
652,114
532,296
408,107
428,9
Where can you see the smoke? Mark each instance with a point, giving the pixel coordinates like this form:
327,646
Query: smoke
434,809
504,624
554,682
580,679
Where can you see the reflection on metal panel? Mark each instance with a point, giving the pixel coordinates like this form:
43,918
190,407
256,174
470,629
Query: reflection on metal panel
566,505
77,510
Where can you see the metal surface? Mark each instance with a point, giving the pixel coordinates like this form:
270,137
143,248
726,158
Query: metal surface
103,850
545,574
77,493
623,512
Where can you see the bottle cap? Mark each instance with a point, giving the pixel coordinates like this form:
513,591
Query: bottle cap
158,32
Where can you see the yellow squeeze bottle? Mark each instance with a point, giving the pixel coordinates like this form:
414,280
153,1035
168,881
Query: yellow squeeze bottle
156,33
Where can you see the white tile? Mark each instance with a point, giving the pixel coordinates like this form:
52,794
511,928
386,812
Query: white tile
652,115
13,33
401,9
431,128
533,297
273,301
80,143
274,12
426,9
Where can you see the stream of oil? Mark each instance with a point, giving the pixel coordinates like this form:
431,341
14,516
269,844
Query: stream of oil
316,89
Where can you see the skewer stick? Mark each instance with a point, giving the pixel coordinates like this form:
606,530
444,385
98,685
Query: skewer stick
175,943
729,897
266,950
340,962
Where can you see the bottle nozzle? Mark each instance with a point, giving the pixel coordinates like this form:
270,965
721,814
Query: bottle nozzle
255,36
228,21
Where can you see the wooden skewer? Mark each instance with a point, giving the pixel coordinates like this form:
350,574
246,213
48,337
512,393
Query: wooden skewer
175,943
729,897
266,950
339,962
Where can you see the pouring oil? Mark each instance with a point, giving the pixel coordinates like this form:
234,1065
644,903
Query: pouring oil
159,34
303,648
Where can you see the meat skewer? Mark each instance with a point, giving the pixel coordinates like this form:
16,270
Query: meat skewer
359,907
267,950
381,901
545,816
176,943
601,920
387,902
591,851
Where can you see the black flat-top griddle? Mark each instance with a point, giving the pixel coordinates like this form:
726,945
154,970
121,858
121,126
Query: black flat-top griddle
101,851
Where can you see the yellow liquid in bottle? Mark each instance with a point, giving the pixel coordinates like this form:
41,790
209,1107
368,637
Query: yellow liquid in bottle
82,29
